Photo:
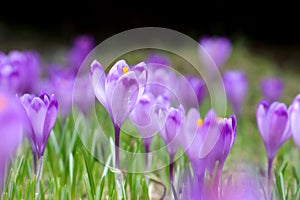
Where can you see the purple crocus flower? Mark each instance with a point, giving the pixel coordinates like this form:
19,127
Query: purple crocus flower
145,116
118,92
218,48
294,113
82,46
16,67
41,116
174,118
274,128
236,85
208,142
271,88
11,119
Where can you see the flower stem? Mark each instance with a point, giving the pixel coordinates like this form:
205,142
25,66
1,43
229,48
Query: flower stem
269,192
146,143
2,178
39,175
117,145
171,168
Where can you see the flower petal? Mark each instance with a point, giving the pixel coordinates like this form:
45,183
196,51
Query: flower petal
98,82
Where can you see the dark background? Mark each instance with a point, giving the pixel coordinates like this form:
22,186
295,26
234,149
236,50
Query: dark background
267,23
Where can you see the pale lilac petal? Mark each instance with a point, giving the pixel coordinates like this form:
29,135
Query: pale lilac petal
50,118
98,82
124,97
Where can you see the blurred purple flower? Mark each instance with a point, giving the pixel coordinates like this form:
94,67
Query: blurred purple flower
172,120
294,113
41,116
274,128
11,119
118,92
236,86
218,48
62,86
190,91
271,88
158,59
82,46
16,68
235,186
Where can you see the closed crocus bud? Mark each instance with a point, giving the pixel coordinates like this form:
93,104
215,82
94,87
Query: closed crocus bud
11,120
273,125
236,86
41,116
271,89
294,113
16,67
218,48
170,133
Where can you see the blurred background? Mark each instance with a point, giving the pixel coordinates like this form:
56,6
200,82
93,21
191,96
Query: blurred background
266,31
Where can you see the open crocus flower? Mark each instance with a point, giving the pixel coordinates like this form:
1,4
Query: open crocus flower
294,113
41,116
11,119
274,128
271,88
118,92
236,85
208,142
218,48
16,67
173,120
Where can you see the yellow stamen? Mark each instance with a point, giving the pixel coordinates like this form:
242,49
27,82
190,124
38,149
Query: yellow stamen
220,118
199,122
125,70
3,102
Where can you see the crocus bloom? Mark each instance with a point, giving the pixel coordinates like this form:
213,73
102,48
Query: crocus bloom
273,125
145,116
218,48
271,88
19,71
11,118
41,116
207,142
236,85
174,118
119,92
294,113
82,46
